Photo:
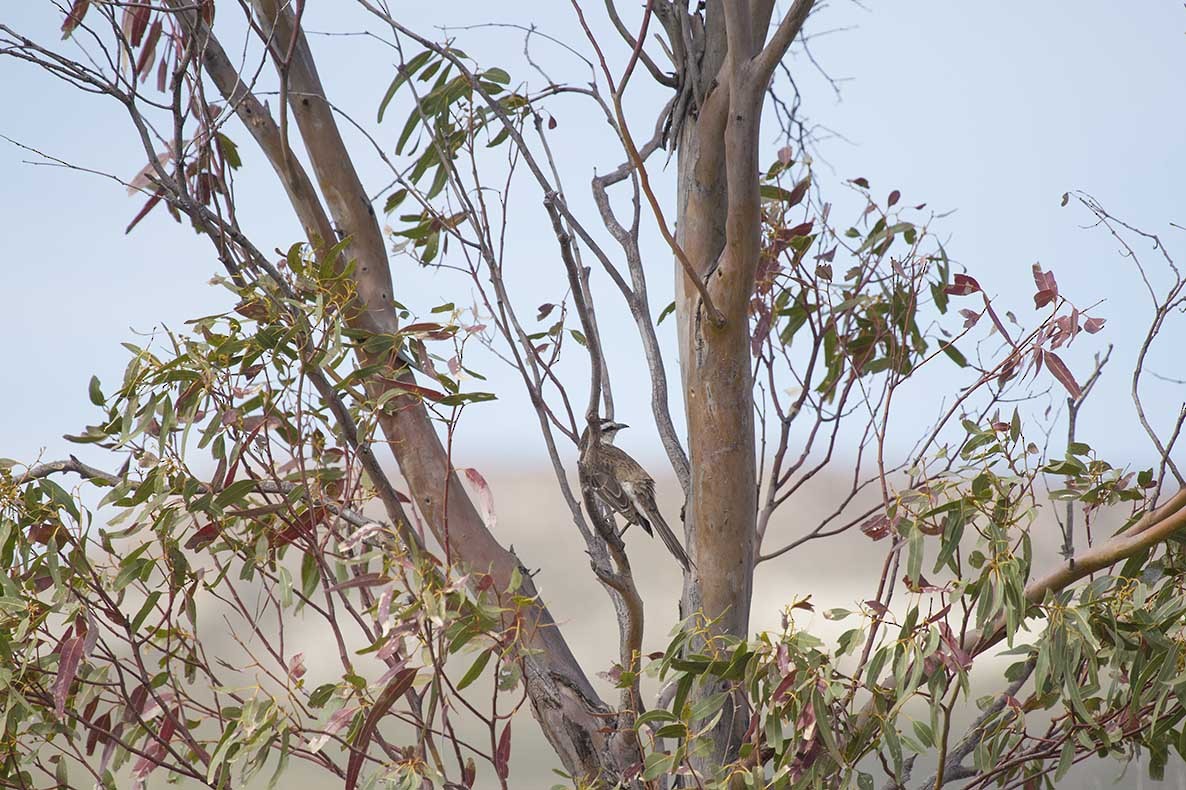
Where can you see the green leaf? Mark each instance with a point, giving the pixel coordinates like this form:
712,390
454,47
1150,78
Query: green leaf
475,669
129,572
394,199
409,68
149,603
654,715
496,75
310,574
708,706
656,764
59,495
285,587
234,492
229,151
406,132
668,310
322,694
220,753
954,353
772,192
96,394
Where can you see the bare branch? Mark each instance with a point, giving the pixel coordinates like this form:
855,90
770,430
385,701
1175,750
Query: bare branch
766,60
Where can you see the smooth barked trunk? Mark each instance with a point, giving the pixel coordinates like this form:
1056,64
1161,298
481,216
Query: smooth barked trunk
720,516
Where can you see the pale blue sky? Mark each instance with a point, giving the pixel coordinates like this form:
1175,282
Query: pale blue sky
991,110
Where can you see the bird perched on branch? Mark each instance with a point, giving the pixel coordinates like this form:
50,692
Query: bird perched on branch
622,484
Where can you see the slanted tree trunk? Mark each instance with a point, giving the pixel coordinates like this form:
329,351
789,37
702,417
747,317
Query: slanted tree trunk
570,712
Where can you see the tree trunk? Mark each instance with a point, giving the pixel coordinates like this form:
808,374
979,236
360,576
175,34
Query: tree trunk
719,225
718,390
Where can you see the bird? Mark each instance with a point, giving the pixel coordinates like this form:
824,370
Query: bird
623,485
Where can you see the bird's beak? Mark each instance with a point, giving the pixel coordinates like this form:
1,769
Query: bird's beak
617,426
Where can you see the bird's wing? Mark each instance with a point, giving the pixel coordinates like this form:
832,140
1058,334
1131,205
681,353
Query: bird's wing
642,496
625,466
605,484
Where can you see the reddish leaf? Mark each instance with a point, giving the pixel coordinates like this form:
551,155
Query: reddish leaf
1093,325
140,16
143,212
144,178
296,666
970,318
1043,298
545,310
412,329
754,720
67,669
920,585
255,422
42,533
962,285
894,197
861,182
303,525
1059,370
761,329
876,527
783,686
202,538
255,309
136,702
416,389
1047,287
802,229
996,320
336,723
151,757
485,495
877,606
1036,361
392,692
962,658
502,755
798,193
74,18
98,734
786,155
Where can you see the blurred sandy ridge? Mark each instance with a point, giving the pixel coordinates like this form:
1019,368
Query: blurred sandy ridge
836,572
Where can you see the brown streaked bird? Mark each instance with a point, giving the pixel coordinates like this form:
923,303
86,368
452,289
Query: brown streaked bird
622,484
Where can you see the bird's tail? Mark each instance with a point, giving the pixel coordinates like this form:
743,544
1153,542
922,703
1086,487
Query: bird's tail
670,540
